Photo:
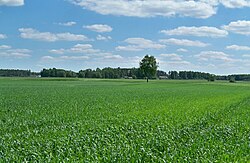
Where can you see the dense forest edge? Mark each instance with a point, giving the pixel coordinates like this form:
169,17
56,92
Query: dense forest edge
121,73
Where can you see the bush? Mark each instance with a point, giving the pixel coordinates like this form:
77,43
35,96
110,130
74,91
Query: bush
232,79
211,78
134,77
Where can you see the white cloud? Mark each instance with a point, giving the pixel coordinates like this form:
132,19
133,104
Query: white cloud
29,33
183,42
12,2
173,61
139,44
19,50
182,50
68,24
14,55
78,48
172,57
63,58
101,28
103,38
7,52
113,57
74,57
166,8
246,55
239,27
83,48
90,58
237,47
149,8
2,36
57,51
129,48
235,3
203,31
5,47
47,58
214,55
177,63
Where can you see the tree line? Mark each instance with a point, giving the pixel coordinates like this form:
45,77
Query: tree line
118,73
107,73
15,73
189,75
236,77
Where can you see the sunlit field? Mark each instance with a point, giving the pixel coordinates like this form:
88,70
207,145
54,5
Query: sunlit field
79,120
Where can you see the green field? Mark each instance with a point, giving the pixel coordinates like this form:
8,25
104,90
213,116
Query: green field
123,121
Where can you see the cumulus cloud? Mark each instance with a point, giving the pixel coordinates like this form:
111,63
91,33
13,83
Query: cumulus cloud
68,24
19,50
100,28
203,31
172,56
182,50
235,3
14,55
172,60
11,2
2,36
165,8
240,27
103,38
57,51
139,44
7,51
214,55
78,48
237,47
5,47
113,57
246,55
179,64
183,42
63,58
149,8
30,33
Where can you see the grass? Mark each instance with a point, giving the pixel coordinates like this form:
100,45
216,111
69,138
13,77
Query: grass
75,120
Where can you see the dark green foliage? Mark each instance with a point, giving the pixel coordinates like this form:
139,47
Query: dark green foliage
232,79
211,78
111,73
148,66
188,75
238,77
58,73
14,73
174,75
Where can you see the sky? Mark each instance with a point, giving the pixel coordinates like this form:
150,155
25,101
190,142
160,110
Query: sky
199,35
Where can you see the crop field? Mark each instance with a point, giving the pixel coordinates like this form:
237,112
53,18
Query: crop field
80,120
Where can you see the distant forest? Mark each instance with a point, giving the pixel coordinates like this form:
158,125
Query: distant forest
118,73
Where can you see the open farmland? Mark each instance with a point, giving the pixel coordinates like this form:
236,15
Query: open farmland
123,121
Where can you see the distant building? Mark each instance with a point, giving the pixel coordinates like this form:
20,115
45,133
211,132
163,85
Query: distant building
163,77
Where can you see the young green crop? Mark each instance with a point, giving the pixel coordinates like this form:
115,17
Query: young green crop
123,121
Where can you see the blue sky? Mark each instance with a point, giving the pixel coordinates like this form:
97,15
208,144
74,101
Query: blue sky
202,35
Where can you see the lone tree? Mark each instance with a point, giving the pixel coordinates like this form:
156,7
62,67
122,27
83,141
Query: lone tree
148,66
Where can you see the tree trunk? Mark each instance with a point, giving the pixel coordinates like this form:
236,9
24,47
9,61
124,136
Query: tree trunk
147,79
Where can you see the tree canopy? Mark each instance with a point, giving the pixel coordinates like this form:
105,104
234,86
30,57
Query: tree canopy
149,66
